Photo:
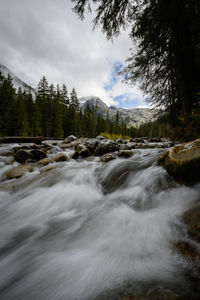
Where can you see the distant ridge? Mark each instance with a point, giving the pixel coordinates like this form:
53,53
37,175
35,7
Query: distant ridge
131,116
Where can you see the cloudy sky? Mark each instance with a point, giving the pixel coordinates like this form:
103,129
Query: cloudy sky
44,37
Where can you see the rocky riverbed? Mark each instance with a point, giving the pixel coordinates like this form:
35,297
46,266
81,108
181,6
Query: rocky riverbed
97,219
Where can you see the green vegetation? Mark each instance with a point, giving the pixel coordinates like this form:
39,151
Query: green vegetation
51,113
113,136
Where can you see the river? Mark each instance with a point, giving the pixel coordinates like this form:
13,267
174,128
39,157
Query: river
91,230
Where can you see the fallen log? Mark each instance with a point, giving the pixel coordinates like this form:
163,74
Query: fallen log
21,139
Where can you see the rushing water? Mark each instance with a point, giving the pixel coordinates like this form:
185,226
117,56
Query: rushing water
89,230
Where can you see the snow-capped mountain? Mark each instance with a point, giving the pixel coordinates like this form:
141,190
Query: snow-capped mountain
94,103
133,116
16,81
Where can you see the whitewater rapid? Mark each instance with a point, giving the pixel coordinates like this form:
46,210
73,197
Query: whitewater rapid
89,230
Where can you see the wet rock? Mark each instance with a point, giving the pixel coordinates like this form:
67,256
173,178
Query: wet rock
22,155
100,138
155,140
106,147
81,150
192,219
157,294
6,153
70,138
37,154
48,168
187,249
125,153
119,141
18,171
137,140
44,161
183,161
60,157
107,157
92,144
125,147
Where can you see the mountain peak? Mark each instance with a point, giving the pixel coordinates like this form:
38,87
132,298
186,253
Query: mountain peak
17,82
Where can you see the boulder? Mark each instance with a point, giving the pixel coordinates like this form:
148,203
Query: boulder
183,161
18,171
60,157
81,150
106,147
37,154
44,161
70,138
192,219
107,157
125,153
22,155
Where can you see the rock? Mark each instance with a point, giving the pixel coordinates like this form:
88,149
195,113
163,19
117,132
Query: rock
155,140
91,145
37,154
192,219
6,153
44,161
66,146
18,171
81,150
125,147
120,141
125,153
188,250
70,138
22,155
106,147
107,157
60,157
137,140
100,138
183,161
48,168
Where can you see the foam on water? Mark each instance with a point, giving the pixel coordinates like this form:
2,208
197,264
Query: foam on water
63,236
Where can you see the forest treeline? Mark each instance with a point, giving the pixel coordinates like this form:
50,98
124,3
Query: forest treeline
51,112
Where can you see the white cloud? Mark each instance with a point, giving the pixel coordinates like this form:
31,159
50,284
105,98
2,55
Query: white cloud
46,38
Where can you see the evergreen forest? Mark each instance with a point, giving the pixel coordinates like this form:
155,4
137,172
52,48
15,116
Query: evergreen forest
51,112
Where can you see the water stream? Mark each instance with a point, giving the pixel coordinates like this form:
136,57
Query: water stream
89,230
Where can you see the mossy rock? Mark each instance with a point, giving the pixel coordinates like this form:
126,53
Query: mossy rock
183,161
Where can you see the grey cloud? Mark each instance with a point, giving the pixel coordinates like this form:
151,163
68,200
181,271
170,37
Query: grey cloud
44,37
